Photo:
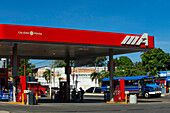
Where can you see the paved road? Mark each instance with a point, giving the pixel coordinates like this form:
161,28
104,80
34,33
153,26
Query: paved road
154,105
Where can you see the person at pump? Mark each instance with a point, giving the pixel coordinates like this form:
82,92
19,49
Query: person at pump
81,94
74,94
139,85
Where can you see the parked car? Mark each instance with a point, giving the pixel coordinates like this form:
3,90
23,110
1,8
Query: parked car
97,90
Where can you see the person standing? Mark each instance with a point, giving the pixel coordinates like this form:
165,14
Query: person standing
81,94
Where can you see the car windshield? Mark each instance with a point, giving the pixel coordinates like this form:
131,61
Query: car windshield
105,83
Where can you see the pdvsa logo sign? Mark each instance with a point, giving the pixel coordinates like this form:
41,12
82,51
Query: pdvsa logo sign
29,33
136,40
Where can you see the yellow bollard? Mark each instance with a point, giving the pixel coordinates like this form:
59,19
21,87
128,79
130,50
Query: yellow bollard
36,98
22,98
126,98
48,94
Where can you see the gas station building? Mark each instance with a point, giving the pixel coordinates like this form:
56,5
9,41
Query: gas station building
34,42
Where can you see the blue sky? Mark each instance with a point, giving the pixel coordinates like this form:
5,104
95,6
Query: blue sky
127,16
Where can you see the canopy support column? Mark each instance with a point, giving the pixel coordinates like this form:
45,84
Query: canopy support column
14,69
111,73
68,71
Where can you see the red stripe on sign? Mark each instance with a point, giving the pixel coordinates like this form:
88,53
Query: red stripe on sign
61,35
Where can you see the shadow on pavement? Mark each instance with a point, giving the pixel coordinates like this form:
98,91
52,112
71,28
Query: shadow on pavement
84,101
148,101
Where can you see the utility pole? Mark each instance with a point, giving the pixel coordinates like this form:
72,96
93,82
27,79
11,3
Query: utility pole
51,76
54,73
24,67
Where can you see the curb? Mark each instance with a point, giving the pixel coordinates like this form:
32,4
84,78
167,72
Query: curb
20,103
93,94
167,94
117,102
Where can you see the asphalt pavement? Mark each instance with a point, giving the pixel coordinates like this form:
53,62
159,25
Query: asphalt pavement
92,103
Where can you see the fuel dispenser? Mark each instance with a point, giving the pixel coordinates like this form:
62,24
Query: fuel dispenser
3,84
20,84
63,91
119,91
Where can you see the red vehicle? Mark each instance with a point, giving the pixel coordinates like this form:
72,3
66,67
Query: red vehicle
23,83
36,88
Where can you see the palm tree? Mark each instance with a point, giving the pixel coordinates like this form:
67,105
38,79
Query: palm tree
95,76
46,74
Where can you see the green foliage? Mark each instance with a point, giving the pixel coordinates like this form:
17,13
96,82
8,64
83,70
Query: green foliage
99,76
60,63
124,67
29,67
156,60
105,74
153,61
116,60
139,69
100,61
46,75
95,75
124,63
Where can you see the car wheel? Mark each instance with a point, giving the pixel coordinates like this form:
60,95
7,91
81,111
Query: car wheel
146,95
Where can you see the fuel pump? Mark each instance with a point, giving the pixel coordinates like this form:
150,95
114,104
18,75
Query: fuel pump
20,87
3,84
119,90
63,91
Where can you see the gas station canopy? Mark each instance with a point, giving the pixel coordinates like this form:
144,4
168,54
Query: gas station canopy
56,43
34,42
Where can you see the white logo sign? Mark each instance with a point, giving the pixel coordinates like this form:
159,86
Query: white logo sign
135,40
29,33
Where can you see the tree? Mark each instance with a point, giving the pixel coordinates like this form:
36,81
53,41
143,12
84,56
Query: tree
105,74
96,76
155,60
139,69
116,61
60,63
29,67
100,61
124,67
46,75
124,63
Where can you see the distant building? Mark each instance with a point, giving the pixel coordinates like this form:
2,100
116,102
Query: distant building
79,77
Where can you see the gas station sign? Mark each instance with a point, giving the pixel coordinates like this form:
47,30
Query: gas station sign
135,40
73,36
